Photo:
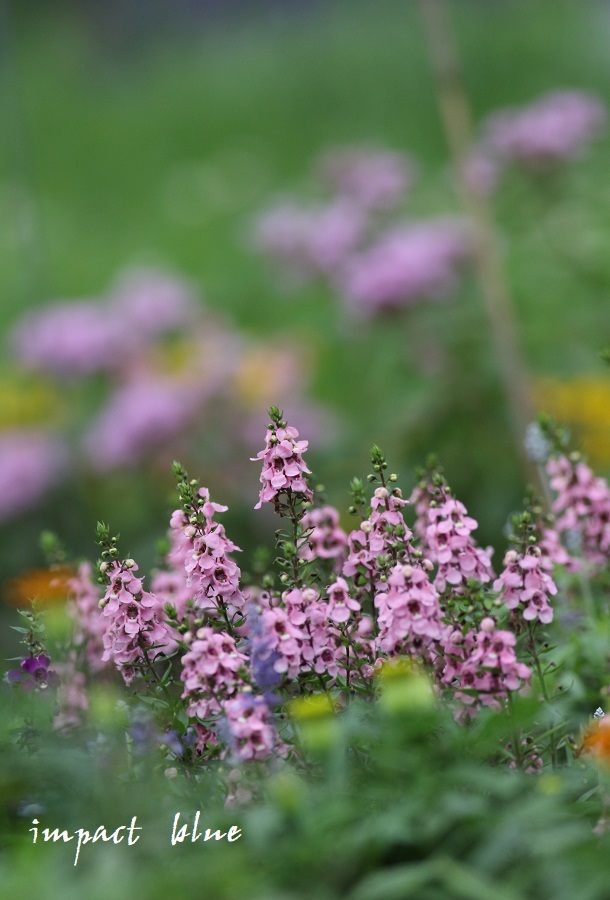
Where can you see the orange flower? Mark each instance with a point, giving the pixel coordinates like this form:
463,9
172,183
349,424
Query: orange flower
47,586
596,740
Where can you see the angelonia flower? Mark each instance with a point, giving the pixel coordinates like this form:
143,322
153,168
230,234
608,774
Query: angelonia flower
205,551
251,733
382,595
34,673
447,530
381,538
72,699
372,179
32,462
213,671
556,128
135,620
581,506
311,242
141,415
81,337
481,666
406,264
409,613
84,597
284,470
525,584
325,537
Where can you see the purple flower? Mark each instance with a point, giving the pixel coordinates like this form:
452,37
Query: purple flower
283,466
406,265
554,129
309,242
141,415
31,463
34,673
70,339
372,179
150,303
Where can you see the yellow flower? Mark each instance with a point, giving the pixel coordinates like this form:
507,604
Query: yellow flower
26,401
316,706
581,403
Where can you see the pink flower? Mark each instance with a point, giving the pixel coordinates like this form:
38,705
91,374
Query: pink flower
84,597
325,538
372,179
340,604
554,129
252,735
213,670
481,666
409,615
525,585
581,505
283,467
31,464
134,620
205,553
450,545
311,242
407,265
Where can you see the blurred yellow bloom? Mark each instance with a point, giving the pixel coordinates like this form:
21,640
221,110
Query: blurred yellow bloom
584,405
26,401
313,707
262,369
400,667
46,586
404,686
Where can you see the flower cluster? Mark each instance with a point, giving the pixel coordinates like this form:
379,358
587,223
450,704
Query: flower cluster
446,531
325,538
554,129
252,735
526,585
409,613
135,626
203,548
581,505
482,666
213,671
374,265
349,609
405,265
284,470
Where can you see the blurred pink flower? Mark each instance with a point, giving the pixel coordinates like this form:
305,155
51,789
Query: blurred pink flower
406,265
69,339
372,179
555,128
31,463
150,303
139,417
309,242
